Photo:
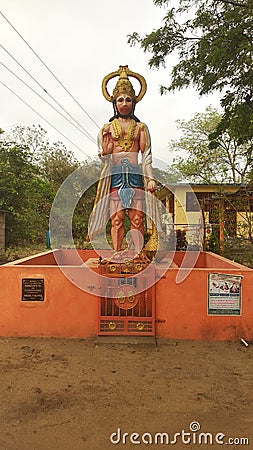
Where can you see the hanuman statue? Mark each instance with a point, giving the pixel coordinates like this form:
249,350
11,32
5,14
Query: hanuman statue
123,182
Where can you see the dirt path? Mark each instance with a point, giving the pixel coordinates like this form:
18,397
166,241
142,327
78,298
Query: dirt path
59,394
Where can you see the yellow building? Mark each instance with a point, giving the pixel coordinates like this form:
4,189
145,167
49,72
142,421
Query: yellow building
200,209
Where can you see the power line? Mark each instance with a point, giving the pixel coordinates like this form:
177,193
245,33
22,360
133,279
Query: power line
44,100
43,118
44,90
44,64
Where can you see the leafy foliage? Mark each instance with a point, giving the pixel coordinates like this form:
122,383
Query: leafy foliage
57,163
33,138
208,157
22,194
166,176
213,41
31,171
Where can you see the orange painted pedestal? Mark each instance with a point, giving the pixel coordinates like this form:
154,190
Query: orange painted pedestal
37,299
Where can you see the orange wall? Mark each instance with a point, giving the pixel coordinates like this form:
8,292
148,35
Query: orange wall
181,309
66,312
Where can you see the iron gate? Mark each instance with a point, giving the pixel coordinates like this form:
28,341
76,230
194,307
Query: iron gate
129,311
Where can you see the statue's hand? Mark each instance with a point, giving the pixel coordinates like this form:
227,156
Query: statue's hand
107,143
151,186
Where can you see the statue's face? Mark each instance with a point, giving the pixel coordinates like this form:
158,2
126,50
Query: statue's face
124,104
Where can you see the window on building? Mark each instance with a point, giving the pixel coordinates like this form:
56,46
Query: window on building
192,203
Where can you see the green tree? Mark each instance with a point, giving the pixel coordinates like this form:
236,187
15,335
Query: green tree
33,137
57,163
45,167
22,195
213,42
167,175
208,160
31,171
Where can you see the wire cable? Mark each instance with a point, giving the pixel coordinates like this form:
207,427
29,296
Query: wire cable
43,118
44,64
37,82
44,100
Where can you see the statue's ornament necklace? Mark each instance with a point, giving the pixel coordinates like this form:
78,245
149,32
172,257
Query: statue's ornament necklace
127,141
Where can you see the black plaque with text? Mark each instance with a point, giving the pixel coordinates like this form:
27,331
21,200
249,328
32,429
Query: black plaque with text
33,290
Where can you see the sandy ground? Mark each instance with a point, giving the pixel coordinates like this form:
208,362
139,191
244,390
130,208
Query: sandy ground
61,394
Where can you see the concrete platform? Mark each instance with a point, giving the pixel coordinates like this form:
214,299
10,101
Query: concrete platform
53,294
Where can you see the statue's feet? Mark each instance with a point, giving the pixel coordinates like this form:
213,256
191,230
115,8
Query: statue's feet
123,256
120,257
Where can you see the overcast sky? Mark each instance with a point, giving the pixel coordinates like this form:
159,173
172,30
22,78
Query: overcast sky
81,41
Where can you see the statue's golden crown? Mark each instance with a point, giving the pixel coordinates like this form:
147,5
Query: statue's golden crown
124,85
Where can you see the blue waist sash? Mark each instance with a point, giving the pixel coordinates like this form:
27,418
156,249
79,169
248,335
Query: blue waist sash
126,177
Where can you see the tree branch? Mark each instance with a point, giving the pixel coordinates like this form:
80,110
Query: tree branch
234,3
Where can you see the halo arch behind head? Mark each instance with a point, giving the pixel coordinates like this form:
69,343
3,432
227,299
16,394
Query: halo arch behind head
123,73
